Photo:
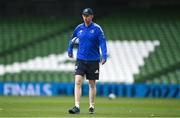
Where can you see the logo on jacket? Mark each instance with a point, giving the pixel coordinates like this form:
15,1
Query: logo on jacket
80,31
92,31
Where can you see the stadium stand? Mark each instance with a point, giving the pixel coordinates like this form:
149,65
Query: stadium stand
154,26
153,34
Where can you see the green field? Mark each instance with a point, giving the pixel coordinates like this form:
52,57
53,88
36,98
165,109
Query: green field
58,107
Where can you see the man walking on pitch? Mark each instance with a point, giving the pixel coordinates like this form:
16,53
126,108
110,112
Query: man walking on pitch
90,38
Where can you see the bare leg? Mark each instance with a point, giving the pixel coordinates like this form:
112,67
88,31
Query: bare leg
92,92
78,89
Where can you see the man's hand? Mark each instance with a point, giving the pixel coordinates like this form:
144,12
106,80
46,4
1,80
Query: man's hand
70,55
103,62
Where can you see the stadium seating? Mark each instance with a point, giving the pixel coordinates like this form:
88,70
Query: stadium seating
30,34
154,58
162,65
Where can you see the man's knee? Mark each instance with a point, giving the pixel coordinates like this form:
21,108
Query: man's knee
78,80
78,83
92,84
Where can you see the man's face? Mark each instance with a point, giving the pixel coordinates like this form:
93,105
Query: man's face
87,18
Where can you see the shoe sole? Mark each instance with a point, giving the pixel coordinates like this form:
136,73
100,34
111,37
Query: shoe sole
91,112
74,112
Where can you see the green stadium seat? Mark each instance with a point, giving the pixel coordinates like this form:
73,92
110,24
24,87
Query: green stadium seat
126,26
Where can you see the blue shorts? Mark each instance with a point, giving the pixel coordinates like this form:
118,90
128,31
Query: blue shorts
88,68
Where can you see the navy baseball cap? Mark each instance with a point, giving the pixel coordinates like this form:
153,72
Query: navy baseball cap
87,11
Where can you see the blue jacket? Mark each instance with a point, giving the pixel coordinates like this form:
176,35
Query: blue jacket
91,39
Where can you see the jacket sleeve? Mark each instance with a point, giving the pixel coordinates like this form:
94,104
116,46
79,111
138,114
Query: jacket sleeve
70,46
102,41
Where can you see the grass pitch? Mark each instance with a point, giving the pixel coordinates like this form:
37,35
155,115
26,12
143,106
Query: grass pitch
58,107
